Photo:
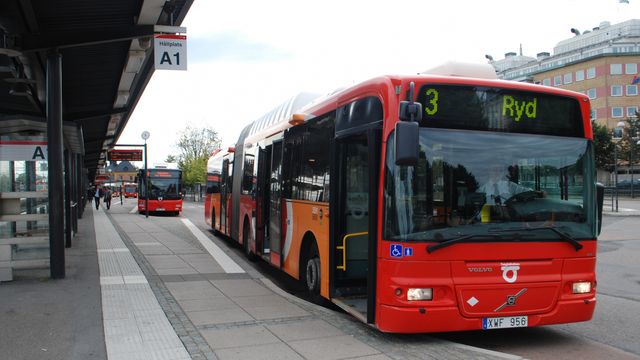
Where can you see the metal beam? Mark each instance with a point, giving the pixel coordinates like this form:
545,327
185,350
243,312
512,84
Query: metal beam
67,199
91,115
61,40
55,164
29,16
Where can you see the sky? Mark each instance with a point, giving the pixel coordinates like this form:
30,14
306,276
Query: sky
245,57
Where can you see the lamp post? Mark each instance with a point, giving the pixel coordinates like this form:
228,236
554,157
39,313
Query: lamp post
145,135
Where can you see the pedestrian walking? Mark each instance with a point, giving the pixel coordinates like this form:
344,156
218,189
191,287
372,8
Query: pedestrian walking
96,196
107,197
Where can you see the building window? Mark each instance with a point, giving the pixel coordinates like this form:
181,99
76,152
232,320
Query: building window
631,111
616,90
568,78
557,80
632,90
631,69
616,112
616,69
591,93
546,82
594,114
591,73
579,75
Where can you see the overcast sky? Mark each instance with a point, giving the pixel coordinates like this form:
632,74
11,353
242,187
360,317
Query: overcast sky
245,57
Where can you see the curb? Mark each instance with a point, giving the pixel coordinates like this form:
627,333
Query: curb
273,287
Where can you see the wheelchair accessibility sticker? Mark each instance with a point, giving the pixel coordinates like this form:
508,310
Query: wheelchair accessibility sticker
398,251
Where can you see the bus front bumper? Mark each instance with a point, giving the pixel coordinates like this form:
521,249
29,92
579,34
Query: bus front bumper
422,319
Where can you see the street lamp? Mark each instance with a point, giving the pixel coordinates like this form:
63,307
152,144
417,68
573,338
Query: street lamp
145,135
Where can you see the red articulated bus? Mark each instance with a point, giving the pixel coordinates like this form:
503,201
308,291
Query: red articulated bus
165,190
218,198
379,199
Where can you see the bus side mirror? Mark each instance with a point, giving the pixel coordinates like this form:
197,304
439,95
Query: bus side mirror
407,135
600,200
410,111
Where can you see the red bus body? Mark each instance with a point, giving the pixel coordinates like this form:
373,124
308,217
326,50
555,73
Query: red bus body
510,277
166,191
130,190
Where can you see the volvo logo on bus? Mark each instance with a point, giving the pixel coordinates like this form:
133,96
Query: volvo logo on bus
511,300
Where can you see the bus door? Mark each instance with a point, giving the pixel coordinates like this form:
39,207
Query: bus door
354,262
272,244
262,200
225,194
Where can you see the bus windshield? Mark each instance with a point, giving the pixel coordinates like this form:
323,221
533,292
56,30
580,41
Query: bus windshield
165,188
478,184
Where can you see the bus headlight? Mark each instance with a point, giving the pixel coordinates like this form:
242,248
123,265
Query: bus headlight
581,287
419,294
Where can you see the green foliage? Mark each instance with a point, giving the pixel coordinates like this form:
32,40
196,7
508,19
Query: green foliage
628,148
603,146
171,159
194,147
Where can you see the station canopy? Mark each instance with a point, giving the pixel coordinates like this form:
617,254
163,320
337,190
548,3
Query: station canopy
107,60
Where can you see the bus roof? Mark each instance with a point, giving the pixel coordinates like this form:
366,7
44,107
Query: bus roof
311,105
276,119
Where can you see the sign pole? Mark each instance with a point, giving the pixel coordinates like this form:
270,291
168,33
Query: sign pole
145,135
146,182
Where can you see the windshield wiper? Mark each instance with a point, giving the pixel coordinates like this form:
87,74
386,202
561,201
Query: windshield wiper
442,243
576,244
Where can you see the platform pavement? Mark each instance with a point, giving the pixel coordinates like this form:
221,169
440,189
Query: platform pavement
627,206
164,295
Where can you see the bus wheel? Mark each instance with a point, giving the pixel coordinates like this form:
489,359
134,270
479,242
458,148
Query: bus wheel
311,276
213,222
245,242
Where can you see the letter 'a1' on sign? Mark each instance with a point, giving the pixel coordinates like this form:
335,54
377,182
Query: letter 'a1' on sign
170,52
407,143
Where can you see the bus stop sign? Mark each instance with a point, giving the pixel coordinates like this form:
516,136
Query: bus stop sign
170,51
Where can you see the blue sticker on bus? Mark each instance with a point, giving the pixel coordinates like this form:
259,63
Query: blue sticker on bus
408,251
396,250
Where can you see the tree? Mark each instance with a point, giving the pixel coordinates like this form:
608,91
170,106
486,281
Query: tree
603,146
628,149
194,147
170,159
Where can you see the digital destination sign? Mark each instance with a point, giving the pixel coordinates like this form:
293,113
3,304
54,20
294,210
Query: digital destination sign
125,155
495,109
164,173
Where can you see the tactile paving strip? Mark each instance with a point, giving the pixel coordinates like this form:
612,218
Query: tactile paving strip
135,326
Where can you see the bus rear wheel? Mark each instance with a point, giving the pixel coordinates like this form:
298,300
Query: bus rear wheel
245,242
213,222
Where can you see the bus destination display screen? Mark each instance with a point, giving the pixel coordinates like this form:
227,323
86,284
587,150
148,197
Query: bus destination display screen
164,173
495,109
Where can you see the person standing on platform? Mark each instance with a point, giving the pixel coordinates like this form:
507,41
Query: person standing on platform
107,197
96,196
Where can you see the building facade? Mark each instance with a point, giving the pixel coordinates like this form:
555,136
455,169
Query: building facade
602,63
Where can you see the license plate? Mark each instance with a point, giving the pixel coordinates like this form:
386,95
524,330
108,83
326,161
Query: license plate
160,209
505,322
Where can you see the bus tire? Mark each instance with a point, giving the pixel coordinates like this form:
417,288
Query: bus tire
245,241
213,222
310,276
